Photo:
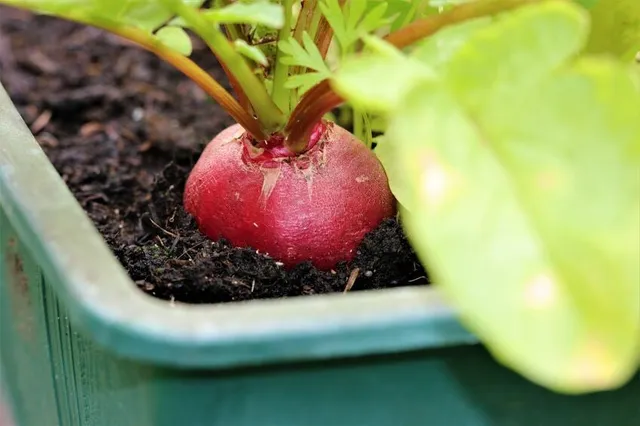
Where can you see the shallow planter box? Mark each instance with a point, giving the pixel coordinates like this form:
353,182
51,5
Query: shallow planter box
81,345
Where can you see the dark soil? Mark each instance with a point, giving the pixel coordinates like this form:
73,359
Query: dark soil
123,129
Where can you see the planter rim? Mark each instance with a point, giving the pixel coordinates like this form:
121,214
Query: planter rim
103,300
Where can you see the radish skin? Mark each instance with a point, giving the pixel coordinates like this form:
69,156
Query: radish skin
316,206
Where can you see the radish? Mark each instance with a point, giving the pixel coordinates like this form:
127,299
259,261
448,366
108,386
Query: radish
315,206
284,180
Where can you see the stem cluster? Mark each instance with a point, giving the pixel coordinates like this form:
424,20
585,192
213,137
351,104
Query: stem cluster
280,112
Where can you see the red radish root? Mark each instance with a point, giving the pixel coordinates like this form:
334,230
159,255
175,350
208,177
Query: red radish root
314,206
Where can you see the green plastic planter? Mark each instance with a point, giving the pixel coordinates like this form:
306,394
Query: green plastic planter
81,345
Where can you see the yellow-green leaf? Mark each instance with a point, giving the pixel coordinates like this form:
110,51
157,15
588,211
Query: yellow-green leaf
260,12
516,50
251,52
615,28
359,79
438,49
527,216
516,166
175,38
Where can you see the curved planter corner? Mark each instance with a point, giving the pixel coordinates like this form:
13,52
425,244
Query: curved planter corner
80,345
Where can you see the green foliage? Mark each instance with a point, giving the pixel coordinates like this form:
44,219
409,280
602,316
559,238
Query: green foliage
437,51
588,3
516,163
352,20
616,28
358,75
403,12
175,38
260,12
309,57
103,13
145,15
396,13
251,52
157,20
117,14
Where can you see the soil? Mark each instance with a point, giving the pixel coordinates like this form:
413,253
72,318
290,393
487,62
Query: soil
124,129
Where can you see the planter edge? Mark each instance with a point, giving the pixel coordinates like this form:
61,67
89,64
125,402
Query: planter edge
102,299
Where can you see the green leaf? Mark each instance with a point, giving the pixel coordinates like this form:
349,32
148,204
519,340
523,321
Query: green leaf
304,82
359,78
308,56
502,66
522,197
528,219
354,10
175,38
141,14
516,50
373,20
399,180
399,13
437,50
444,3
70,8
251,52
615,28
586,116
352,20
588,3
260,12
332,12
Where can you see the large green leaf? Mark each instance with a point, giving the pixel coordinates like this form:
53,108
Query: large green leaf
517,171
148,15
258,12
349,20
359,80
252,52
145,15
399,13
616,28
175,38
516,50
455,51
437,50
399,179
528,219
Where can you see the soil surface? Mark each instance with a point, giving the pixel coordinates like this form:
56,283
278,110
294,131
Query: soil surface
124,129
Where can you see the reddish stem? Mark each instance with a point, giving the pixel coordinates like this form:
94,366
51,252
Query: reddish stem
308,115
323,36
309,98
428,26
304,19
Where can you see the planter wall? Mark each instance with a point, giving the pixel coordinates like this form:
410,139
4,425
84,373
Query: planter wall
81,345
